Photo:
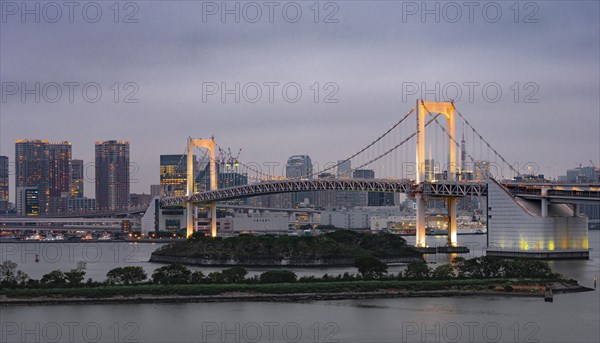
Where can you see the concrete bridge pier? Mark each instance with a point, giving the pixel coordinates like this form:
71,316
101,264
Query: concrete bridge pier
213,219
421,221
452,236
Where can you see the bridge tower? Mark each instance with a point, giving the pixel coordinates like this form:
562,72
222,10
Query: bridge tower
189,206
447,109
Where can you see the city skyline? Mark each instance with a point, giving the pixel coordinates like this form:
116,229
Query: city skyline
373,69
79,172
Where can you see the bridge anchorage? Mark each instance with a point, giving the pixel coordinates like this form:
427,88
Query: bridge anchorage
529,219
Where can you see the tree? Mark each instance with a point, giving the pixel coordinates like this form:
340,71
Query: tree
215,277
278,276
197,277
528,269
54,278
444,272
370,267
126,275
172,274
75,276
417,270
22,277
234,275
8,270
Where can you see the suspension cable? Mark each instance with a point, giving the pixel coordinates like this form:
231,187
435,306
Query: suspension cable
368,146
485,141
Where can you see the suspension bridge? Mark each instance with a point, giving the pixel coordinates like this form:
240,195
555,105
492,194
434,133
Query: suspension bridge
420,155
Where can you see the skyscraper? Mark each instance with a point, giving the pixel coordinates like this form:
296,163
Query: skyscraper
59,175
3,183
173,174
299,167
112,175
27,201
31,158
77,181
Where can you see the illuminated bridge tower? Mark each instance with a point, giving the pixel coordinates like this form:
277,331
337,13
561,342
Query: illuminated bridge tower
447,109
189,205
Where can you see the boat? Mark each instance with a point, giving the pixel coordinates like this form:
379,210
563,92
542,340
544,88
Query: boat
105,237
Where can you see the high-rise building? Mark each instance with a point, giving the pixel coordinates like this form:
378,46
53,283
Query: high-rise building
3,184
173,174
344,169
27,201
31,159
300,167
45,166
59,175
77,179
112,175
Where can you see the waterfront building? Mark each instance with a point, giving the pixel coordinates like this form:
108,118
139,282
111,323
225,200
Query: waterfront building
4,195
27,201
77,179
112,175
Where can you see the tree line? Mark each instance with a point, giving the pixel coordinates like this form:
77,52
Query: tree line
369,268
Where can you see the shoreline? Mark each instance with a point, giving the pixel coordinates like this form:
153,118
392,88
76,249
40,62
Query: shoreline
534,291
296,263
250,297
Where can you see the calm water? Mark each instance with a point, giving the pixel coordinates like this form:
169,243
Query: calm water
570,318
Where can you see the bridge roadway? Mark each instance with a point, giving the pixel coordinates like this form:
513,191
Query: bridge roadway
555,192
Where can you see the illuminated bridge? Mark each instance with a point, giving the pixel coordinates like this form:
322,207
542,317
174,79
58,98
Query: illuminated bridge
523,215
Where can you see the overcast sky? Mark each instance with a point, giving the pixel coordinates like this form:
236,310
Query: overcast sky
370,52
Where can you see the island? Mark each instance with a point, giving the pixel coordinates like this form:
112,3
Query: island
336,248
481,276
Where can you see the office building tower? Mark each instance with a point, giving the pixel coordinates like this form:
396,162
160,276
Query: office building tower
173,174
31,169
77,179
27,201
112,175
344,169
3,184
59,175
300,167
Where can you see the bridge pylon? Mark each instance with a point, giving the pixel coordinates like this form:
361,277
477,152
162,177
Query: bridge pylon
189,205
422,109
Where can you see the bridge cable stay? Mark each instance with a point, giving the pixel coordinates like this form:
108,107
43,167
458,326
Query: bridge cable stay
486,170
484,140
395,147
366,147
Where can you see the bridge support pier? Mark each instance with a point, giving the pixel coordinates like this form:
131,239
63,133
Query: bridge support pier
421,221
213,219
189,218
452,238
